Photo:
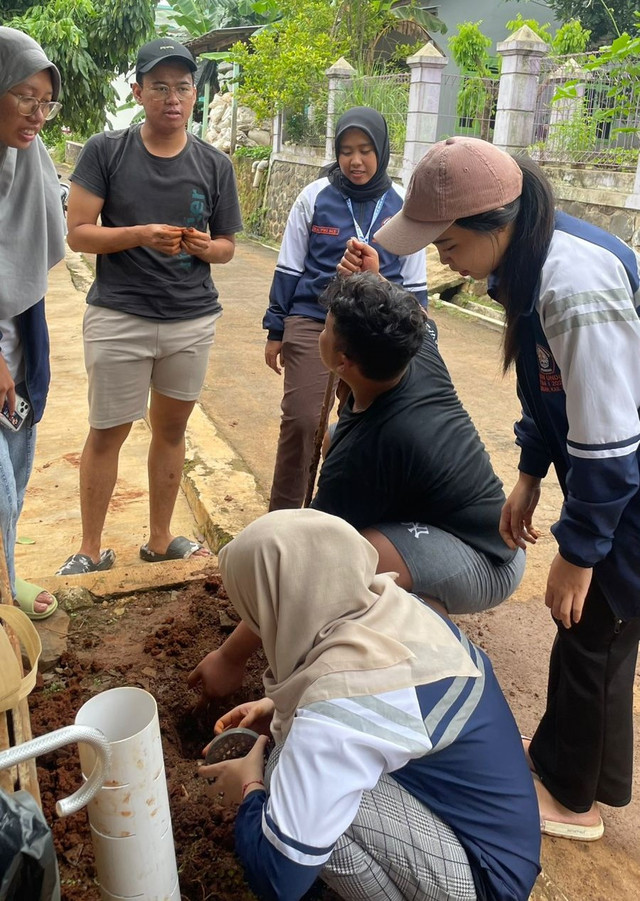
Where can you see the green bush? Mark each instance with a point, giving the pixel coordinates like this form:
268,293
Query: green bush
252,153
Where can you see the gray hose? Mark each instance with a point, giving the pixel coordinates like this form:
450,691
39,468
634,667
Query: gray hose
54,740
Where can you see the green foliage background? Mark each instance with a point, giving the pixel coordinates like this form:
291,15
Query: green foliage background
603,18
91,43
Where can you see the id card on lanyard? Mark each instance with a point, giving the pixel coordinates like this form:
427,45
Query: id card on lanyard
359,235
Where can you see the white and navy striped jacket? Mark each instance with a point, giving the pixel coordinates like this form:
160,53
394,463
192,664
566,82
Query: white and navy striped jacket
452,744
579,383
318,228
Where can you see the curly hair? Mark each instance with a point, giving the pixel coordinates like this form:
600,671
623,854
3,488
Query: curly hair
377,324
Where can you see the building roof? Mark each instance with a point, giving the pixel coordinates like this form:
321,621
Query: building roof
220,39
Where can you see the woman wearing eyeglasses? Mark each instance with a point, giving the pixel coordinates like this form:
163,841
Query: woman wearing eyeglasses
31,242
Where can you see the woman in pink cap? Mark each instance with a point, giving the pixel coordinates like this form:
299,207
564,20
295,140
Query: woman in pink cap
571,294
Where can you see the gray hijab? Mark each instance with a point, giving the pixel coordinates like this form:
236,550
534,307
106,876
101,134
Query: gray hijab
31,221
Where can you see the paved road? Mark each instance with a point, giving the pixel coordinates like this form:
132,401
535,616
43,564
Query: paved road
242,397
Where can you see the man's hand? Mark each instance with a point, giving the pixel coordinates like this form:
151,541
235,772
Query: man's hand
256,715
516,525
195,243
217,676
358,257
164,238
7,387
567,587
273,353
227,778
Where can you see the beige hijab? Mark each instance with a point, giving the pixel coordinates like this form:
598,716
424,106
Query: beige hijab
305,582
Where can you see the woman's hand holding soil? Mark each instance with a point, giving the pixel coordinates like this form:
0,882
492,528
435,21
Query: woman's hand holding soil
226,779
217,676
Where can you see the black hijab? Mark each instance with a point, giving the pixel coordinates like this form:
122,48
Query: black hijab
372,124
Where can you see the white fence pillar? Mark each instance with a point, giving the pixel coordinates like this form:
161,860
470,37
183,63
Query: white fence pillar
521,55
340,73
276,133
424,102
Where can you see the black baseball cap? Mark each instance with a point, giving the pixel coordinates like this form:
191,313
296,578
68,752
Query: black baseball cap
161,50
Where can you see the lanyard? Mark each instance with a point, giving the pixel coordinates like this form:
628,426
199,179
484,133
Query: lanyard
376,213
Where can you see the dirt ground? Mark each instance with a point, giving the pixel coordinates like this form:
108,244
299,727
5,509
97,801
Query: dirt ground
151,641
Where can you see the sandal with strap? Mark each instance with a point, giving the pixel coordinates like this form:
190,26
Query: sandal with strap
180,548
26,597
77,564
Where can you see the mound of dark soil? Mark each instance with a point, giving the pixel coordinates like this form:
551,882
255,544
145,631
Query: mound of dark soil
151,641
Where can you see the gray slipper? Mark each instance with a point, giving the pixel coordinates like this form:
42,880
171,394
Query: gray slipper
77,564
180,548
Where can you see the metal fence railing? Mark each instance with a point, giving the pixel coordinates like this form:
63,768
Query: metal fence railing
308,127
598,124
467,106
389,94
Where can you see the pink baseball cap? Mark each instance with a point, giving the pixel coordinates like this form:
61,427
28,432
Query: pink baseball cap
456,178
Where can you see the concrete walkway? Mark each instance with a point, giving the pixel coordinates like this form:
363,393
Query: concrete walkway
226,479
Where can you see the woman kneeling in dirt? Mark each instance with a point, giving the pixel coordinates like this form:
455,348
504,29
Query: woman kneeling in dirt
398,770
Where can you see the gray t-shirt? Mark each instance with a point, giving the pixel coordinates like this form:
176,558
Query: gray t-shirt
195,188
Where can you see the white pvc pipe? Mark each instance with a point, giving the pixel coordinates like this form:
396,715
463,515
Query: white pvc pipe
130,818
43,744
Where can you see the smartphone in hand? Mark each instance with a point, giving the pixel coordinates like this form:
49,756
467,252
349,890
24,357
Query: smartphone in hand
15,420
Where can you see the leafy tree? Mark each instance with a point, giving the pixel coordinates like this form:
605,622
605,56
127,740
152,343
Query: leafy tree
197,17
603,18
541,30
365,22
569,38
618,102
284,65
90,43
470,50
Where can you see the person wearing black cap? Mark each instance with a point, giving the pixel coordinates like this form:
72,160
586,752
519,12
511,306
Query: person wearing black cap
353,196
168,209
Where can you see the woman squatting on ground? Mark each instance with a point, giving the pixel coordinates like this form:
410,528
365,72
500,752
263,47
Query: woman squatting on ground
398,771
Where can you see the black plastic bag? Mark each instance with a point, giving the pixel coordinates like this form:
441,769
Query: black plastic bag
28,865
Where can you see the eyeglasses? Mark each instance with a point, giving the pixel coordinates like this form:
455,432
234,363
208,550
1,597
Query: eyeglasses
163,91
28,105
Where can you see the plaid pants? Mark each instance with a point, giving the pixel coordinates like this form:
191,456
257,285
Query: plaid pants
396,849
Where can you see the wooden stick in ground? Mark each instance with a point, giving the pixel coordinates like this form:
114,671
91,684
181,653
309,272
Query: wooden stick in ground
317,444
20,719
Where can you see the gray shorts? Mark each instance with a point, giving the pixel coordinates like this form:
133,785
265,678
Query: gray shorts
125,355
445,568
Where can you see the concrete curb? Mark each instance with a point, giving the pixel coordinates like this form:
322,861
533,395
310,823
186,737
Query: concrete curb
220,490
